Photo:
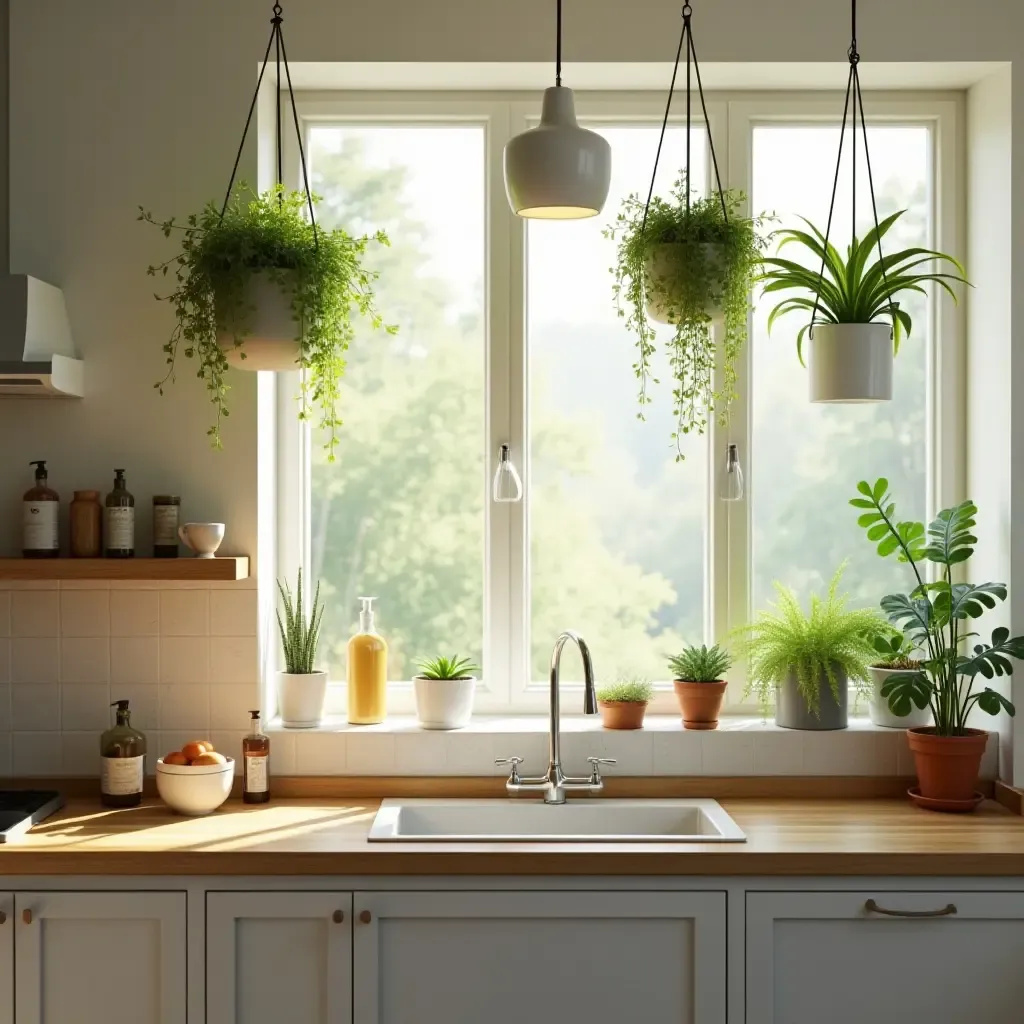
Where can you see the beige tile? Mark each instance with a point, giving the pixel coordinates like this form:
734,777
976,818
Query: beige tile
469,753
5,661
5,707
234,660
144,703
282,756
5,613
423,753
778,752
727,753
185,706
319,753
184,613
370,753
35,707
85,613
229,743
676,753
5,754
36,753
184,659
85,707
85,660
35,613
230,704
80,754
35,660
134,613
134,660
234,612
851,752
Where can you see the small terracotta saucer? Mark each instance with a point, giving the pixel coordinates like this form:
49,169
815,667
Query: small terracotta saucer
931,803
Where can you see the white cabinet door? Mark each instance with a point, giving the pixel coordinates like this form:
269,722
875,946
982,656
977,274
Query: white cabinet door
92,957
825,956
274,957
539,958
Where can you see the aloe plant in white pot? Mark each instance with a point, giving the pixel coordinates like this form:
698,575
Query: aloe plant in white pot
301,688
444,689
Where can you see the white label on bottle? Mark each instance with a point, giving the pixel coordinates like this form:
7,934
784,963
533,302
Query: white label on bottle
165,526
119,529
121,776
257,773
39,522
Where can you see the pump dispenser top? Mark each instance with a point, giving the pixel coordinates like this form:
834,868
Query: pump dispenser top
367,670
366,615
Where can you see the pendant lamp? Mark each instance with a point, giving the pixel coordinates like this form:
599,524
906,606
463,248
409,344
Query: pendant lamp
558,170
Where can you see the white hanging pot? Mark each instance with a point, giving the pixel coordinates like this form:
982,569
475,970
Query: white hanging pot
444,703
666,279
850,362
878,707
300,699
269,331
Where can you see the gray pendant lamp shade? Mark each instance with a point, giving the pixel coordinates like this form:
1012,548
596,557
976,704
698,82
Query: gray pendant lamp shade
558,170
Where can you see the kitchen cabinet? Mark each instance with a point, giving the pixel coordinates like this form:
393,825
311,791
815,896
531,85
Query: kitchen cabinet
279,956
95,957
7,958
542,957
821,956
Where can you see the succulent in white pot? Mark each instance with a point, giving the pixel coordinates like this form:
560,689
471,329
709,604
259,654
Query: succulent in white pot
895,655
301,688
444,690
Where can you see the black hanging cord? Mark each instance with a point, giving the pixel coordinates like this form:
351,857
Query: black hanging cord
686,37
558,44
276,41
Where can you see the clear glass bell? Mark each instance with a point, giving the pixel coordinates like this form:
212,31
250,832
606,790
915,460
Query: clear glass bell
507,485
731,488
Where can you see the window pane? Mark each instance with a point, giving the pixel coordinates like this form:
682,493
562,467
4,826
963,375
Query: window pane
616,524
807,458
400,514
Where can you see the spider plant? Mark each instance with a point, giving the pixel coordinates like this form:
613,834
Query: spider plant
447,668
857,290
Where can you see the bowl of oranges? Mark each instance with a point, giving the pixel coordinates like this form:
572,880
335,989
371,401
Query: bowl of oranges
195,780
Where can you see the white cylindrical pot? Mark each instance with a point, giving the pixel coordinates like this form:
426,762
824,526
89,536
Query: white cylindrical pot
269,330
665,276
878,707
444,703
850,362
300,699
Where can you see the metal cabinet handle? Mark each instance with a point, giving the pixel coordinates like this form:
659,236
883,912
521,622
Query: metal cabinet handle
873,908
365,916
26,916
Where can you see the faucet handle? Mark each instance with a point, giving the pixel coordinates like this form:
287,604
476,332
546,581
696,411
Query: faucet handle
595,767
515,762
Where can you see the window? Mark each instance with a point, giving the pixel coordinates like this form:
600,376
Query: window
508,334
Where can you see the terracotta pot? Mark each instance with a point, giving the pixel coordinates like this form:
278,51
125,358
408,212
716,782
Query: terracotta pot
947,766
622,714
700,703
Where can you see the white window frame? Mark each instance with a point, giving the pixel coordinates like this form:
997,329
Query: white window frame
505,686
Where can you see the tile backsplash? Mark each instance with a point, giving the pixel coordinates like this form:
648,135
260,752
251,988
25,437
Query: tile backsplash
186,657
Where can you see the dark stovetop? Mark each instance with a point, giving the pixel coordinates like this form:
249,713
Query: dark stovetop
20,809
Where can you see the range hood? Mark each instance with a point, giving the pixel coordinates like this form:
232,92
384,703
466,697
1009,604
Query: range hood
37,355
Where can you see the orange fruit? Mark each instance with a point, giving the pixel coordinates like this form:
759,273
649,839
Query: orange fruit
197,748
177,757
210,757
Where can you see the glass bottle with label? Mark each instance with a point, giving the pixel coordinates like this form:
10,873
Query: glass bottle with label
119,520
86,519
122,761
165,525
40,518
255,763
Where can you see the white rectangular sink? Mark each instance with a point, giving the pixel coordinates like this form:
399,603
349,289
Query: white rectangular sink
576,821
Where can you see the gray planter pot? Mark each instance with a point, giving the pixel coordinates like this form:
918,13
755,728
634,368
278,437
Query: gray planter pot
791,710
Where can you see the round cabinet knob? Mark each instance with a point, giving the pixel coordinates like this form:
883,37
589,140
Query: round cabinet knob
3,917
26,916
365,916
339,916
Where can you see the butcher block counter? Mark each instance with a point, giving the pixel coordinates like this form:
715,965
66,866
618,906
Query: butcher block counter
323,836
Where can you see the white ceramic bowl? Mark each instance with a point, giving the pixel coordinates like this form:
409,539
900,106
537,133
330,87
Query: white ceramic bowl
194,790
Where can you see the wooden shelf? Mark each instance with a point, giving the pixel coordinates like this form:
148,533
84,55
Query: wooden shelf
196,569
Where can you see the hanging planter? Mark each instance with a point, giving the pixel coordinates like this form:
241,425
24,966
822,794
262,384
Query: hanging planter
855,319
689,261
259,286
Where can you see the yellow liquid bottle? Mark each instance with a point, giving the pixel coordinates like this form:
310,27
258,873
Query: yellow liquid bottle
367,671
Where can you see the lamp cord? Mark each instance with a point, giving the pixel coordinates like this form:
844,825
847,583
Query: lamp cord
558,43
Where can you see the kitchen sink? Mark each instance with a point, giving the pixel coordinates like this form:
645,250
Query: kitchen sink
533,821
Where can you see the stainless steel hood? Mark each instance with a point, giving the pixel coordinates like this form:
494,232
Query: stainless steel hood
37,354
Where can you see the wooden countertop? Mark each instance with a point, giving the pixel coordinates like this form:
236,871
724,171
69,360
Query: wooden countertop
328,837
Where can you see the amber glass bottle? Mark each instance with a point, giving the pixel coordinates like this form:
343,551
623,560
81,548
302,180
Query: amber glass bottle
255,763
119,520
40,519
122,761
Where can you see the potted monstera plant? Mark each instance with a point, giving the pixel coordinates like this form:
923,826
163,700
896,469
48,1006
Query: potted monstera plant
691,265
261,287
937,617
854,322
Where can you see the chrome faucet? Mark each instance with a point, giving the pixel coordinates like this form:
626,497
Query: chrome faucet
554,784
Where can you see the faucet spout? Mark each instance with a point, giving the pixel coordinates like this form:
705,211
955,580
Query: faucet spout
589,693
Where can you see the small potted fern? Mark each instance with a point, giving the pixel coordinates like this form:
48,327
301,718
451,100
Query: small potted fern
623,704
808,661
895,653
301,688
444,689
699,682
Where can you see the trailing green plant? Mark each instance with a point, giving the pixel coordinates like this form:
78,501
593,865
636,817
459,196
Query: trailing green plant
320,271
896,651
823,644
718,278
936,616
447,668
629,691
700,664
857,290
299,634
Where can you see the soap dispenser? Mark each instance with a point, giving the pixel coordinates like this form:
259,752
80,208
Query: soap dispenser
40,518
367,671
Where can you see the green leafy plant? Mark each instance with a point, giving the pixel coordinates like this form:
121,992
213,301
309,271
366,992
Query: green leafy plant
936,615
629,691
700,664
320,271
699,279
895,650
299,634
447,668
854,290
820,645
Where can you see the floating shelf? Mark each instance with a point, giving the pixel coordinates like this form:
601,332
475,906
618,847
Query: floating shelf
196,569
